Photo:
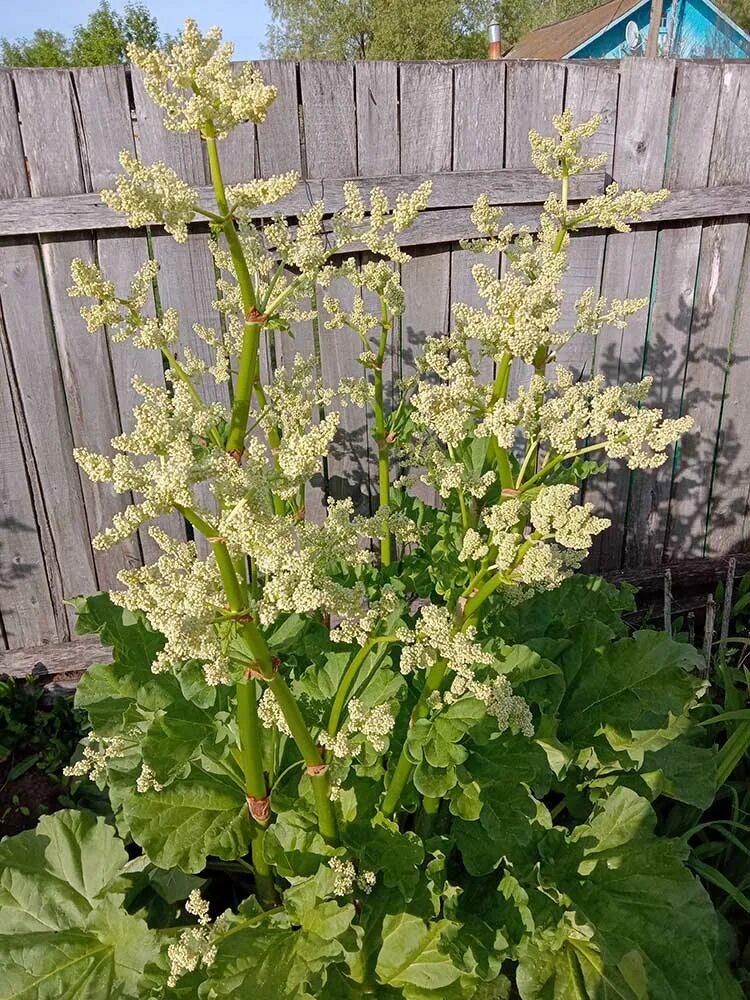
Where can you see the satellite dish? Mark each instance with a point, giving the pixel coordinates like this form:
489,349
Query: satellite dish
632,35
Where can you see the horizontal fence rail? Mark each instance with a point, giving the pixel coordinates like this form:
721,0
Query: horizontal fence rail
464,126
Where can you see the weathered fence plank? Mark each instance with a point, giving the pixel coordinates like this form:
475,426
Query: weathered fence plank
643,114
672,303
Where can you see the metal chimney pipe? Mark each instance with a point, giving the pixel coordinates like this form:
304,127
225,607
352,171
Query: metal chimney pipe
494,41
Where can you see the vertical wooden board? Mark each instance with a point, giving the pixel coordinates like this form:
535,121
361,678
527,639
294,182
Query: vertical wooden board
106,129
46,107
329,118
237,150
478,144
376,91
729,521
643,117
26,608
40,399
330,138
379,154
590,88
672,304
426,146
534,92
279,151
279,147
721,420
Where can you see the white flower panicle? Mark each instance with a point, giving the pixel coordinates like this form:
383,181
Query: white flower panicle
347,878
194,81
270,713
371,726
123,315
245,198
98,751
552,157
146,781
152,194
434,638
195,945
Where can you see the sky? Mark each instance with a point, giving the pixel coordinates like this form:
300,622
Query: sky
242,21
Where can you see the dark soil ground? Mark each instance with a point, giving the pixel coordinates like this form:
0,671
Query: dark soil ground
24,799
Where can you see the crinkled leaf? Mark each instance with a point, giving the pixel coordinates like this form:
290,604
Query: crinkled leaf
293,844
437,740
63,929
190,820
627,690
50,877
412,958
688,772
505,769
176,737
382,848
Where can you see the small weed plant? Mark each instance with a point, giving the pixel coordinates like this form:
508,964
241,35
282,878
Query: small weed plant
403,752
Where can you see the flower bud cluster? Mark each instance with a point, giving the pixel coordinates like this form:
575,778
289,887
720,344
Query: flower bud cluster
123,316
347,878
555,158
98,751
195,945
363,726
155,193
194,81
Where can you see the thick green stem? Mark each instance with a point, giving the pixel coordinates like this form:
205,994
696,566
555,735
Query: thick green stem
248,370
316,766
381,437
428,817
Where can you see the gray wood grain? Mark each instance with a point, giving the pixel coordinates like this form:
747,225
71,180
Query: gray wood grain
40,404
721,310
672,304
376,93
643,117
46,106
426,144
26,607
478,145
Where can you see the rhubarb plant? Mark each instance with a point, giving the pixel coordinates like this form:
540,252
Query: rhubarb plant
402,752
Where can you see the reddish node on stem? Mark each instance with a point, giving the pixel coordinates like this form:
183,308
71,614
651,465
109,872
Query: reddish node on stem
315,770
260,809
256,317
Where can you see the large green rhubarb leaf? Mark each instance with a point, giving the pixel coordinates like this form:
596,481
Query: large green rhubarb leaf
63,931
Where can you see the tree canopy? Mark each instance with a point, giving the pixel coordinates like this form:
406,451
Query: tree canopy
101,41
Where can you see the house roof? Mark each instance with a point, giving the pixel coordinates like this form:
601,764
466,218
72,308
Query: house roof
556,40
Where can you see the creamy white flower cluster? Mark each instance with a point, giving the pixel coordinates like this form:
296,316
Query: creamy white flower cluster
358,630
122,315
309,247
347,878
171,431
194,81
245,198
181,596
98,751
567,413
444,408
195,945
614,209
553,157
297,560
152,194
371,726
434,637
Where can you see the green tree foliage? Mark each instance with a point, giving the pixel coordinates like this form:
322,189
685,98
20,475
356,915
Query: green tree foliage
101,41
379,29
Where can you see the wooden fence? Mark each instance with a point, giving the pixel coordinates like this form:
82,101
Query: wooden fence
685,125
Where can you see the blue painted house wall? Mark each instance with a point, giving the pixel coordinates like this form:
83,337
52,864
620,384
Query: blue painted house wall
691,29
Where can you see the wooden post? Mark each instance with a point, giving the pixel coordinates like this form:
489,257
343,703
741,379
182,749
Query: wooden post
654,26
494,41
